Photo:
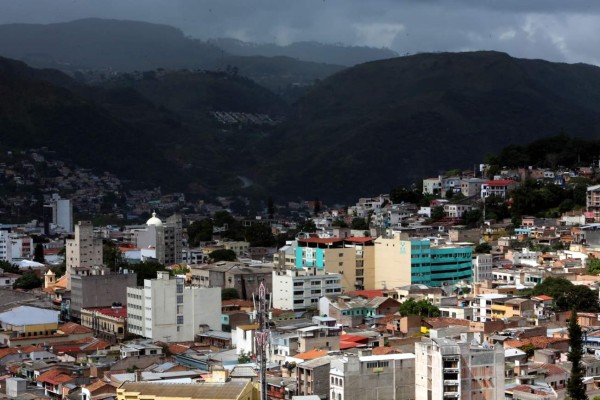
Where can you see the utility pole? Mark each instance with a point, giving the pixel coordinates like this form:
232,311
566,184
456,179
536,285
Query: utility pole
261,307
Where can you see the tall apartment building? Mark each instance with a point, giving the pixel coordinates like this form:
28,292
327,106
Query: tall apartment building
353,258
300,290
401,261
62,214
446,369
165,238
368,377
482,267
165,309
83,252
5,246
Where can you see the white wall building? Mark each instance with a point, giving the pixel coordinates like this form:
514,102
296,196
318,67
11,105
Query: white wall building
243,339
5,246
482,267
165,309
62,214
446,369
299,290
21,246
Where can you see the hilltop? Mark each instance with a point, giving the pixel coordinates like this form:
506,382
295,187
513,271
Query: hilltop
337,54
365,129
126,46
383,123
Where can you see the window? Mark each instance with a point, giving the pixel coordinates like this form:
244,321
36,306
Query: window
180,319
179,299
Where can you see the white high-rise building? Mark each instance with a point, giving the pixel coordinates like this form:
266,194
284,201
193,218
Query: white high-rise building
83,252
165,309
62,214
301,289
482,267
446,369
5,246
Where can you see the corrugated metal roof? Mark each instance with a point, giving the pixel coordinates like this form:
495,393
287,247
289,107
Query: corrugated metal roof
26,315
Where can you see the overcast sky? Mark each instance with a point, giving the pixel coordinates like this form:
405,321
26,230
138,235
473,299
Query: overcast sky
557,30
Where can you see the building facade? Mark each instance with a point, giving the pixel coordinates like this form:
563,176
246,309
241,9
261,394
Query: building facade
368,377
402,261
99,289
482,267
82,252
165,309
300,290
446,369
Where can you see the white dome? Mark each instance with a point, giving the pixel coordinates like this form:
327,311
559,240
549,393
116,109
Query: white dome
154,220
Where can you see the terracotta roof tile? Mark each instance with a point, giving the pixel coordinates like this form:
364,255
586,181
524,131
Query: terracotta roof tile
71,328
381,351
96,385
539,342
311,355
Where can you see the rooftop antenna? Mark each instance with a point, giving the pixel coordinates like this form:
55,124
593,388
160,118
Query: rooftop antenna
261,305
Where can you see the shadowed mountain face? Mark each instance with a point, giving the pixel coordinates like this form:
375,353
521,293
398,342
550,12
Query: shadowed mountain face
360,132
391,122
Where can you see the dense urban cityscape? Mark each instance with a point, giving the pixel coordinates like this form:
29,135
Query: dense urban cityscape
381,299
299,200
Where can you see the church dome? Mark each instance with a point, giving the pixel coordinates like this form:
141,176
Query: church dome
154,220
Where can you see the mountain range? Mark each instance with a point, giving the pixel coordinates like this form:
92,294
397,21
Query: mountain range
360,131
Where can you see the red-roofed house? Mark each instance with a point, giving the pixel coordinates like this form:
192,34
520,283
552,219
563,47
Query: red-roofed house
53,380
499,188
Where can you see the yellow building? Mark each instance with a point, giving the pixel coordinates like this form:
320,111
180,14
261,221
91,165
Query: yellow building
27,322
218,389
392,261
353,258
512,307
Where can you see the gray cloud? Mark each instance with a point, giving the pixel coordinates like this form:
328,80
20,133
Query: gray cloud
556,30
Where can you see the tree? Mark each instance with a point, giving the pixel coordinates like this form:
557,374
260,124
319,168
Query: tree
8,267
484,247
112,256
566,295
421,307
593,265
229,294
146,270
260,235
437,213
244,358
270,207
317,208
38,253
575,385
199,231
222,255
359,224
307,226
29,280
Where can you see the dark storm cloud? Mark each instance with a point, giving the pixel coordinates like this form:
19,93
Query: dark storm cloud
557,30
